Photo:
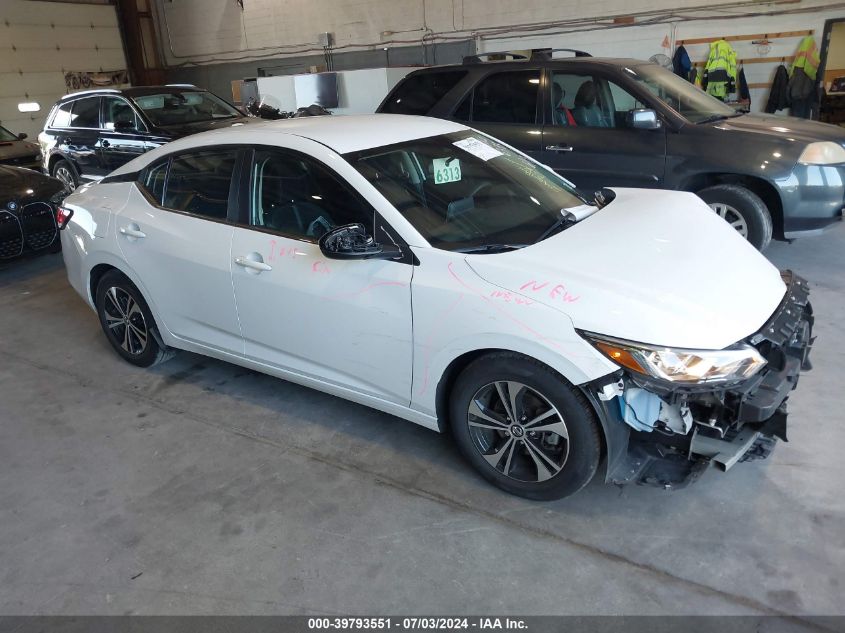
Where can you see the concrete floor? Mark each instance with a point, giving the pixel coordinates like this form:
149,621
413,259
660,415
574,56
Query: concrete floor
201,487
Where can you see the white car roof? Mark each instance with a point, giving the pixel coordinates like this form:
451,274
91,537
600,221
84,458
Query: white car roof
342,133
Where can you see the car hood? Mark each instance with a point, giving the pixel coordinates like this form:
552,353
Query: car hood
17,183
186,129
784,127
15,149
655,267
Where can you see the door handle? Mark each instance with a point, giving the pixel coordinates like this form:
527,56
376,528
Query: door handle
252,264
132,231
105,143
559,148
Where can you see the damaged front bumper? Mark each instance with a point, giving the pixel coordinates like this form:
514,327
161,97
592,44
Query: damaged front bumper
666,435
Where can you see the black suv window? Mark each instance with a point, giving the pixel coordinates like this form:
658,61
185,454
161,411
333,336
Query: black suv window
302,198
86,113
62,116
420,93
199,183
117,110
506,97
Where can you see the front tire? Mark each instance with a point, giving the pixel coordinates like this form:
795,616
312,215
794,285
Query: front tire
524,427
65,172
743,210
127,321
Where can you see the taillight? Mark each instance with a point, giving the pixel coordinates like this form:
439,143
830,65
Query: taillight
63,216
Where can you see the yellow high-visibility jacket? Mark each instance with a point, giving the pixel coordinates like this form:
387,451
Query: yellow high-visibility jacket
807,58
720,70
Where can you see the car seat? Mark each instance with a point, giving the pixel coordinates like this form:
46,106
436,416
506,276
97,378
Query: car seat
563,115
586,111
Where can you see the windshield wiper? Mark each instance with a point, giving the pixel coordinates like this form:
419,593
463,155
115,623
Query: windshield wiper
718,117
491,248
567,218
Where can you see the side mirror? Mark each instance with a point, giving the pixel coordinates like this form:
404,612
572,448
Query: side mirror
643,119
351,241
22,136
124,126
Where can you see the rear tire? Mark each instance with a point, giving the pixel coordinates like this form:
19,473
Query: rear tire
744,210
547,449
65,172
127,321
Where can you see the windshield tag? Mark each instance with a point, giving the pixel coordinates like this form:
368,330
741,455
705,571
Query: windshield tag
477,148
446,170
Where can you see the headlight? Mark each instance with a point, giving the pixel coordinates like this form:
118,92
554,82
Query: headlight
822,153
685,366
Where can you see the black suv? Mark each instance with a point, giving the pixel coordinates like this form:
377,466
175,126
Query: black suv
89,134
629,123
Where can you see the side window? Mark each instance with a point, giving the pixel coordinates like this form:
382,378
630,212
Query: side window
86,113
117,110
152,179
589,101
623,103
62,116
199,183
507,97
420,93
302,198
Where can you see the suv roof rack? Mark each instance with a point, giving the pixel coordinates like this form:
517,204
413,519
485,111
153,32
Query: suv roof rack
92,91
535,55
180,86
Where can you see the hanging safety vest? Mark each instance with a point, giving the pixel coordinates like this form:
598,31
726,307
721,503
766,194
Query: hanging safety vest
807,58
720,70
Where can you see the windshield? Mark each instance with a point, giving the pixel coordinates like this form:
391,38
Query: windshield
690,102
6,135
178,108
465,191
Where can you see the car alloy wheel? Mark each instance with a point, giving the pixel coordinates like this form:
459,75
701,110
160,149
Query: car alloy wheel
125,320
64,174
518,431
730,215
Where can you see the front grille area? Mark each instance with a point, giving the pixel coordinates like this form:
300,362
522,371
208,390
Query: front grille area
38,224
11,236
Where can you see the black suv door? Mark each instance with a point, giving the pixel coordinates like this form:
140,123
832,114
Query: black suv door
586,136
76,126
506,105
124,134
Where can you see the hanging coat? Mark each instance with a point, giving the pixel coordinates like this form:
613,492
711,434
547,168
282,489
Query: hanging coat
743,94
779,92
807,58
720,71
681,63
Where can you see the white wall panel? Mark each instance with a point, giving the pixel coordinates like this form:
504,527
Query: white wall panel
39,42
218,30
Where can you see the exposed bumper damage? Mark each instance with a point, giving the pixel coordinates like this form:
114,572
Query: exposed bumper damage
666,435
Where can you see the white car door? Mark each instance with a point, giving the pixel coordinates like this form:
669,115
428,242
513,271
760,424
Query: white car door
174,234
346,322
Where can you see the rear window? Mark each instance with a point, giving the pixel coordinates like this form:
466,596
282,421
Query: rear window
420,93
62,116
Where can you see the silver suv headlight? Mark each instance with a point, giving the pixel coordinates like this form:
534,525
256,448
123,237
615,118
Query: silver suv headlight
822,153
686,366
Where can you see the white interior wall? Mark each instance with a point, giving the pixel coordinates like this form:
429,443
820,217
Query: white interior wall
359,91
39,41
204,31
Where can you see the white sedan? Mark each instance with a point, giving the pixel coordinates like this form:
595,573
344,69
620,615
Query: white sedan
425,269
